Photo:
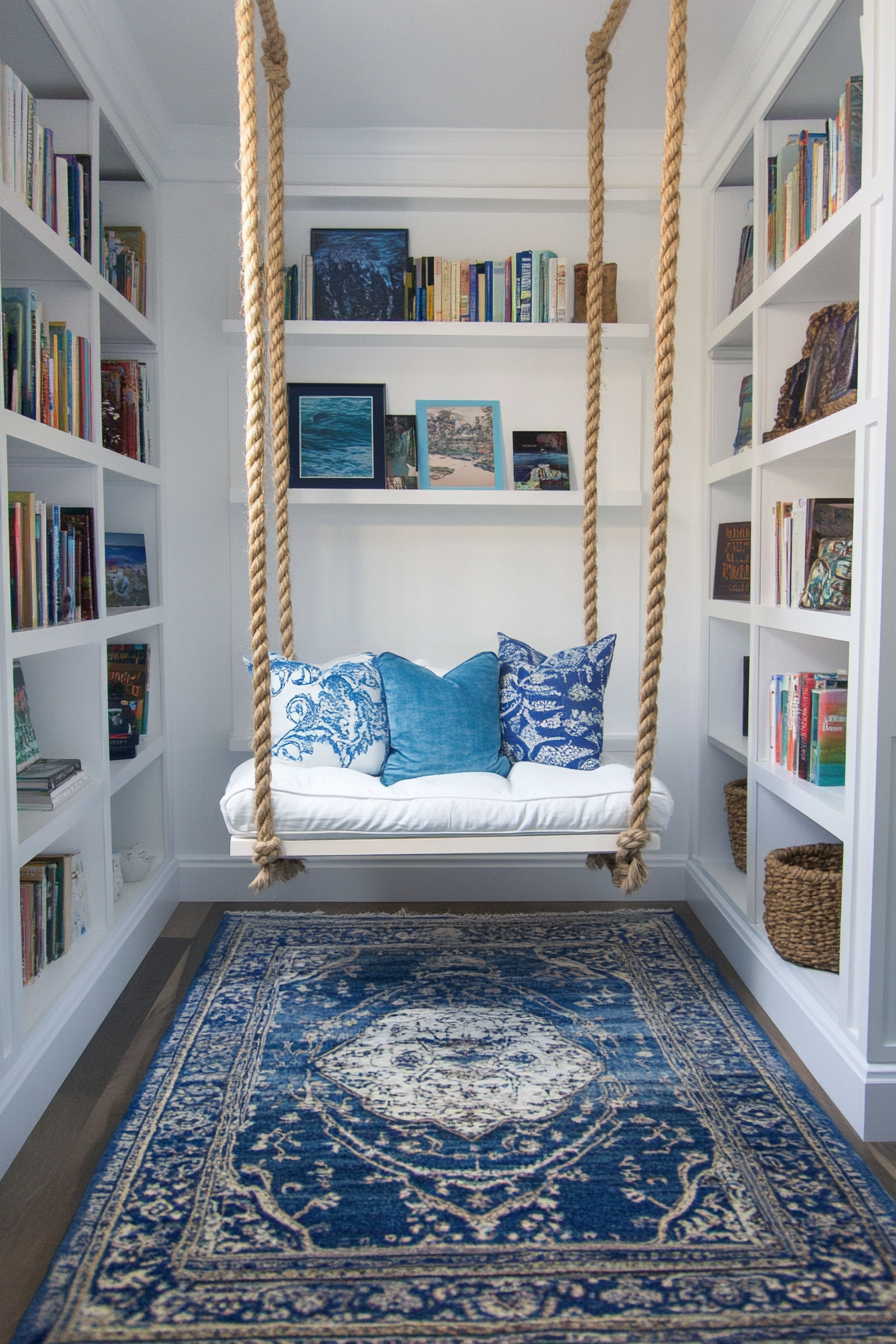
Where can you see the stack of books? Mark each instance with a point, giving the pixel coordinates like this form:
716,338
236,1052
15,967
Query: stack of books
46,784
123,262
52,554
126,408
298,291
55,186
46,368
807,725
813,175
813,554
528,286
53,905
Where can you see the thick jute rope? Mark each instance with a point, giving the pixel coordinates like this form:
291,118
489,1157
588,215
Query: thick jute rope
599,62
628,867
267,852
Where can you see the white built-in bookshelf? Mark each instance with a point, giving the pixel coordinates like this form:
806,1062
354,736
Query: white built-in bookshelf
64,666
843,1025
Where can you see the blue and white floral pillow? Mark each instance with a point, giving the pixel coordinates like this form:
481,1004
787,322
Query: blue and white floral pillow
332,714
552,708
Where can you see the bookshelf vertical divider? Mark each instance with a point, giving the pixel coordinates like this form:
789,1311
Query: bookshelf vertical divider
65,666
842,1024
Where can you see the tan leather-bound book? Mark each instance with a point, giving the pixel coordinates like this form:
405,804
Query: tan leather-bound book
608,306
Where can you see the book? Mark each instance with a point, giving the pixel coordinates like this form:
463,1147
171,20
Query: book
745,705
827,751
43,776
540,460
30,800
125,407
123,262
609,311
744,436
401,452
127,670
27,751
80,522
731,581
53,909
743,279
127,579
124,733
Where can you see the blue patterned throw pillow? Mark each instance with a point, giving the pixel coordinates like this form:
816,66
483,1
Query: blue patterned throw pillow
442,725
552,708
333,714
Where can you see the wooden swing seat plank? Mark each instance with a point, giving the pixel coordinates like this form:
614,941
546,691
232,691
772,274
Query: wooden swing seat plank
373,846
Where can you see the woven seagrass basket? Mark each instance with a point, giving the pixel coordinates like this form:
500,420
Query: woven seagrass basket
736,808
802,904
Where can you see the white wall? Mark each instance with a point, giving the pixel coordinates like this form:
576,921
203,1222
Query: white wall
426,587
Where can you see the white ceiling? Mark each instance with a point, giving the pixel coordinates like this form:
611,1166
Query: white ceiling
433,63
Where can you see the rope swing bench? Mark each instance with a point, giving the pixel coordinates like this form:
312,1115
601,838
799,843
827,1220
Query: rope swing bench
262,283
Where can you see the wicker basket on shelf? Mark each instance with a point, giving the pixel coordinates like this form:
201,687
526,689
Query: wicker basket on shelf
736,808
802,904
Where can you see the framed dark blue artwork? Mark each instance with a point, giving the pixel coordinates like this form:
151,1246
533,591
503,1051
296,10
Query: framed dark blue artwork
336,436
359,274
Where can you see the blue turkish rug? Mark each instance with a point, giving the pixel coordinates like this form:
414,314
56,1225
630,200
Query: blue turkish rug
560,1129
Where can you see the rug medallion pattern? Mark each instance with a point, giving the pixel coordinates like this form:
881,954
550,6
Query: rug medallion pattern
560,1129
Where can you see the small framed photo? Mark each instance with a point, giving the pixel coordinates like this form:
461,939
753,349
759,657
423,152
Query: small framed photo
540,459
359,274
401,452
460,445
336,435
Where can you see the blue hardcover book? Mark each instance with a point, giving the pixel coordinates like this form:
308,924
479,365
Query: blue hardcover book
474,291
524,283
536,286
489,290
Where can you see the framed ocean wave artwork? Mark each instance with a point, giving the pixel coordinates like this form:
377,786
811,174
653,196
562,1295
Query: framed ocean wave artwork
337,436
460,445
359,274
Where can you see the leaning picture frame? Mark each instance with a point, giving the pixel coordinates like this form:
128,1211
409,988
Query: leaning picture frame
460,445
336,436
359,274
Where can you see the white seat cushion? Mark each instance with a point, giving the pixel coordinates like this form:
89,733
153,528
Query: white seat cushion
326,800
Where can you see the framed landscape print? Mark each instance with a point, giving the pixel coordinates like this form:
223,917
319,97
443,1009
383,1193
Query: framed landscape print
540,459
401,452
460,445
336,438
359,274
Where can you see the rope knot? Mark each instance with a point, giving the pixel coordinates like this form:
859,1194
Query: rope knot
273,59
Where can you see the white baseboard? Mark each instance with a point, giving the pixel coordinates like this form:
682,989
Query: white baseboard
212,877
62,1033
865,1093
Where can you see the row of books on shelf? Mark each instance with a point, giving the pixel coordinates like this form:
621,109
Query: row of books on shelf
47,371
54,912
55,186
125,408
366,275
123,261
53,564
807,725
128,692
813,175
813,553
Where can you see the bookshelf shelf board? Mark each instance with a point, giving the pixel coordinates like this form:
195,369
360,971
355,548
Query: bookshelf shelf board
727,879
733,337
739,464
49,638
35,253
121,323
728,611
826,807
126,468
483,335
123,621
735,747
820,624
31,441
43,992
38,831
122,772
826,268
457,499
835,432
573,200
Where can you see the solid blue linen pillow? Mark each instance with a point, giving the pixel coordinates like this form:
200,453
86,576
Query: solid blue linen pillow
442,725
552,708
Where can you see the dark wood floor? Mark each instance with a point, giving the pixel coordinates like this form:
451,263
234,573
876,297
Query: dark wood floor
43,1187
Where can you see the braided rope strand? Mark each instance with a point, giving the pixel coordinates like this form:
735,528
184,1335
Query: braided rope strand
598,62
629,870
